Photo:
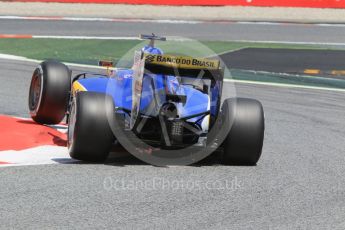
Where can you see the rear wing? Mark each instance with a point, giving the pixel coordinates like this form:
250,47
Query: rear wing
181,66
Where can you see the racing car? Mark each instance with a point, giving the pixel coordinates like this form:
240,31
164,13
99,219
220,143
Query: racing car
164,101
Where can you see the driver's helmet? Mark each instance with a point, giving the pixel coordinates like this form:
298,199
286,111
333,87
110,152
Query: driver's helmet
173,85
152,50
172,88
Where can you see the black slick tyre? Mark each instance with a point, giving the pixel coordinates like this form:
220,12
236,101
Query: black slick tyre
49,92
244,141
90,137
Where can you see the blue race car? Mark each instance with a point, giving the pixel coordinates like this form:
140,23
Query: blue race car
164,102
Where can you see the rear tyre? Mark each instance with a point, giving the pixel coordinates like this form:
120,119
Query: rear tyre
243,144
90,137
49,92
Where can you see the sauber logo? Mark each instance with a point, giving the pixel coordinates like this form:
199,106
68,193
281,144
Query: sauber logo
182,62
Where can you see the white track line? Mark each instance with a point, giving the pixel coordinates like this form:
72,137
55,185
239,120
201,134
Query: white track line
164,21
282,85
134,38
188,39
290,23
293,43
171,38
19,58
41,155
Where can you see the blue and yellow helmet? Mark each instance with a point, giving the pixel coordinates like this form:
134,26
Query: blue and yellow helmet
152,50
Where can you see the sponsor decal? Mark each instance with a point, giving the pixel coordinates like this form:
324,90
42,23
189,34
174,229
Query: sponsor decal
182,62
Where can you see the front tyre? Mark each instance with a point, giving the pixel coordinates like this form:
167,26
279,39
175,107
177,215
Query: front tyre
49,92
243,144
90,137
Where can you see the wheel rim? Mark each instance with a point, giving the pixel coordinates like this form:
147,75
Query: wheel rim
71,124
35,91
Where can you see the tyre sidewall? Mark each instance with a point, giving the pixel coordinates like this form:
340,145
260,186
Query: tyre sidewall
55,92
92,135
244,142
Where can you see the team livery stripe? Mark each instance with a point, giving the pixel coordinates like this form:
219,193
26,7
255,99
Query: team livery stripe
77,87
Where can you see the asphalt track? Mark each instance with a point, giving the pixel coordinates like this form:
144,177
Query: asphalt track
204,31
298,183
295,61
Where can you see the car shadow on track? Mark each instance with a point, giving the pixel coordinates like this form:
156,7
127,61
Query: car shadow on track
119,157
127,159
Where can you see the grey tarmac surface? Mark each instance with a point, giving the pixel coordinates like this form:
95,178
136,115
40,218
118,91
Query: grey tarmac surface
294,61
298,184
205,31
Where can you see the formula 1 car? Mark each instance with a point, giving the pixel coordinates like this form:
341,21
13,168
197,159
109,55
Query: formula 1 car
167,102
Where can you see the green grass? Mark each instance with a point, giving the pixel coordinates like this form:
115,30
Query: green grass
91,51
121,52
67,50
